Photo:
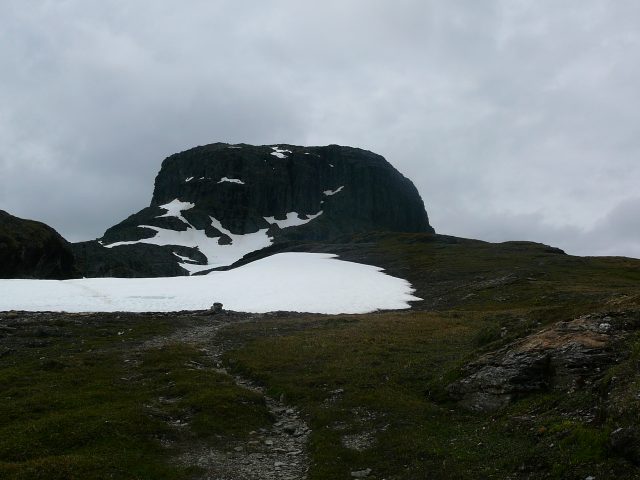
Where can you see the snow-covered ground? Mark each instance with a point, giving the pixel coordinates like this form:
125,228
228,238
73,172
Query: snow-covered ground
303,282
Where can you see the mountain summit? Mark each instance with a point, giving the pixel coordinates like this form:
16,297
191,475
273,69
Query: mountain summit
216,203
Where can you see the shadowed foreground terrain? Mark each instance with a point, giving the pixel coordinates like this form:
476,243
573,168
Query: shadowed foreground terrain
521,363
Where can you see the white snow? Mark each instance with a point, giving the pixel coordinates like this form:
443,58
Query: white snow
234,147
175,208
277,152
183,258
293,219
217,255
231,180
333,192
189,179
304,282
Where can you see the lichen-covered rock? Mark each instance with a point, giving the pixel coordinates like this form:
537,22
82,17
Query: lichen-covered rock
564,356
30,249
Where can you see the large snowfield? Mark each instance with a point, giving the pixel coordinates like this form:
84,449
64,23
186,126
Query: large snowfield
302,282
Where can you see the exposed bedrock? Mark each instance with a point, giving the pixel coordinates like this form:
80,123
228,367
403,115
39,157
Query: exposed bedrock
30,249
565,356
214,204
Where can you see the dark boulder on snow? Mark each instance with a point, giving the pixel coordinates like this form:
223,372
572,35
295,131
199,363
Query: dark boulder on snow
30,249
220,202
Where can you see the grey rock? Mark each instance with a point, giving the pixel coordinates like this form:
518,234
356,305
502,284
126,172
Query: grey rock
562,357
361,473
625,442
290,428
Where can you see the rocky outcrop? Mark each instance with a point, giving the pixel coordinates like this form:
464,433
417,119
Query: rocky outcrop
30,249
214,204
134,261
566,356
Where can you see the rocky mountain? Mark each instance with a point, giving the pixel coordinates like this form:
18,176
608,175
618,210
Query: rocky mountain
214,204
30,249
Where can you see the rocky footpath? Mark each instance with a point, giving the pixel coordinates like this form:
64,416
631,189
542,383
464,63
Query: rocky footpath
30,249
567,356
278,452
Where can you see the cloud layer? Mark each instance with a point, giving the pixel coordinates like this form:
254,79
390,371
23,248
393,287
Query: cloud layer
515,119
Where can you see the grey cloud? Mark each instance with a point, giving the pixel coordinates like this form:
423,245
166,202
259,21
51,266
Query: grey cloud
514,119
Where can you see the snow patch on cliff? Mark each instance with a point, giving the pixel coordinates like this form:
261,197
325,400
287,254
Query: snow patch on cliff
333,192
293,219
218,255
231,180
175,208
277,152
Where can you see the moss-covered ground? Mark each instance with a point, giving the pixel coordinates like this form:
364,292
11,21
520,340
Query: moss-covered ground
89,397
81,397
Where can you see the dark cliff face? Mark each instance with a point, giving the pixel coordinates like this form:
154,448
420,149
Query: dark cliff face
374,195
267,194
287,178
30,249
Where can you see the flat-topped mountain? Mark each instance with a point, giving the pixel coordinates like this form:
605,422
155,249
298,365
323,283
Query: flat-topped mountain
216,203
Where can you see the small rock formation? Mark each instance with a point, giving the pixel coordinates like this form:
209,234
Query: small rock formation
214,204
625,442
361,473
30,249
564,356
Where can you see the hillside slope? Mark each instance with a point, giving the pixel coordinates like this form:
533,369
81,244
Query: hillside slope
30,249
516,348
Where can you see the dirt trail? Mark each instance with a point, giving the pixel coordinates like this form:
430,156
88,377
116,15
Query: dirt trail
279,452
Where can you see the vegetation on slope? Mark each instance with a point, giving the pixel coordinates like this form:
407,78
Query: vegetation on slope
80,399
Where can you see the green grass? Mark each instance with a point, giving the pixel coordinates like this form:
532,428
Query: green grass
86,403
393,369
396,366
81,398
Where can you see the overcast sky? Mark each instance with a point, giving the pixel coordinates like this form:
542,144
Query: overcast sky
516,119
